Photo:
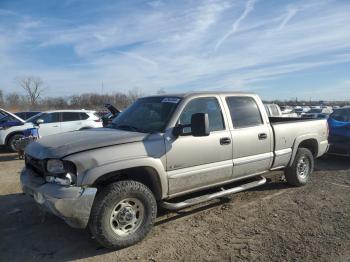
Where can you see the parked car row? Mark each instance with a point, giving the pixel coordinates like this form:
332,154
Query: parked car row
316,112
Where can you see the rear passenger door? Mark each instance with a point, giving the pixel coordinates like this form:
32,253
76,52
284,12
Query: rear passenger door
252,137
51,124
71,121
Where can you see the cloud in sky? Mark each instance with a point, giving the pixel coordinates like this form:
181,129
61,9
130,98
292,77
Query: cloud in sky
248,8
178,46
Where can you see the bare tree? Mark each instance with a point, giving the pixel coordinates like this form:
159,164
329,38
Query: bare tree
33,86
134,94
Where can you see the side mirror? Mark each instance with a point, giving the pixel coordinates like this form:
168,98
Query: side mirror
200,124
39,121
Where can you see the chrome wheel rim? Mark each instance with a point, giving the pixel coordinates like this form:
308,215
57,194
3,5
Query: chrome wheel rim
127,216
303,166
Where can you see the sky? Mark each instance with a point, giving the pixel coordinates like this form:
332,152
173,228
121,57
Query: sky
278,49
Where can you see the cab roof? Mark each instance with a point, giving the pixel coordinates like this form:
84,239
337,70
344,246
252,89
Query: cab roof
200,93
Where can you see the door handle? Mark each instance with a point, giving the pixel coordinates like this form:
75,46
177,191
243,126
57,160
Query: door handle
225,141
262,136
55,126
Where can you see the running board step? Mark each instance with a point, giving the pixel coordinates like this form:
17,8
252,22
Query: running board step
204,198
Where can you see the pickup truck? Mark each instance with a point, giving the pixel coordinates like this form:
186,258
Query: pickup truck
112,180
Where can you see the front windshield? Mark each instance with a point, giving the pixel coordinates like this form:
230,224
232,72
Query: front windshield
7,118
147,115
34,118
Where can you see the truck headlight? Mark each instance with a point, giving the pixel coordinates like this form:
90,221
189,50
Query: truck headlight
66,180
55,166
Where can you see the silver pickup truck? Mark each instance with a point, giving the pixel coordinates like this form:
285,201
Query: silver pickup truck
112,180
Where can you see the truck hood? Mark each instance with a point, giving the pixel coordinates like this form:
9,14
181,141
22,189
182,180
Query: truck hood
60,145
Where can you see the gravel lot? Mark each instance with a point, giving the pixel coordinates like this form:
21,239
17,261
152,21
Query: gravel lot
272,223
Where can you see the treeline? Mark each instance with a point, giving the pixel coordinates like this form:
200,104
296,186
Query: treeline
19,102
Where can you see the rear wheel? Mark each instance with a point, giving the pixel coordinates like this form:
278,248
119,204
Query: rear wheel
123,213
303,165
11,143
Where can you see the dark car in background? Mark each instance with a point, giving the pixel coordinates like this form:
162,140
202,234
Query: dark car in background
113,113
339,132
27,114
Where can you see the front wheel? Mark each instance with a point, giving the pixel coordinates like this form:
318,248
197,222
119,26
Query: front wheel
123,213
303,165
11,143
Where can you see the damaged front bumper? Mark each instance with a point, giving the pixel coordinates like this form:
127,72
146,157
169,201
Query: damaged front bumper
72,204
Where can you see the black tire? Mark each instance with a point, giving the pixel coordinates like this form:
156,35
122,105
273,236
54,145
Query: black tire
294,174
11,141
104,205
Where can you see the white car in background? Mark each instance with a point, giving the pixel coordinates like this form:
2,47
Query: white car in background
50,123
286,109
273,110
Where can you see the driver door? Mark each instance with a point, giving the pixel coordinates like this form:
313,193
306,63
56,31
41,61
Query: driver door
51,125
196,162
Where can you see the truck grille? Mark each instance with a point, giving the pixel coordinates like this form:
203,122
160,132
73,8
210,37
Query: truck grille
37,165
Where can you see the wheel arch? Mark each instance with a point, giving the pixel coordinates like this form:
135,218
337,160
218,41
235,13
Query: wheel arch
143,174
9,135
308,142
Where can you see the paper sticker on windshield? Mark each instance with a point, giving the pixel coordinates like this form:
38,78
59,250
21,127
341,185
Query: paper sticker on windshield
174,100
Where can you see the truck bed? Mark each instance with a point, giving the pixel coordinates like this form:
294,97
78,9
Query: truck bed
288,131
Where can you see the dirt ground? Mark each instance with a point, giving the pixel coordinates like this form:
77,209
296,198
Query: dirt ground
274,222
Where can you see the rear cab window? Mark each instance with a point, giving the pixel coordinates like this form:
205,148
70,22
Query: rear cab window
244,111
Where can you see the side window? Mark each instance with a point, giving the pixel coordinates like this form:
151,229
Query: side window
244,111
84,116
209,105
70,116
50,118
